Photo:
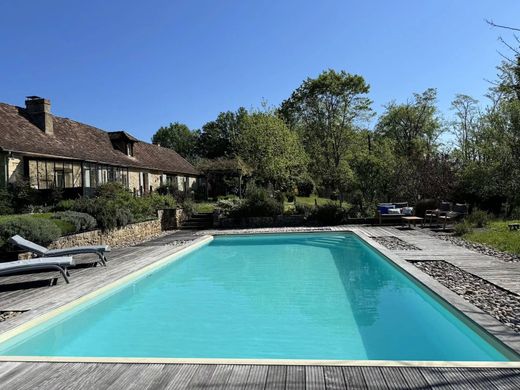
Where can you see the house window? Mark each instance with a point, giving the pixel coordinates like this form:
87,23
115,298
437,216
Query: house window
130,149
48,174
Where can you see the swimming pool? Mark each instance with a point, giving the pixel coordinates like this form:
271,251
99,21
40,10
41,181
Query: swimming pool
322,296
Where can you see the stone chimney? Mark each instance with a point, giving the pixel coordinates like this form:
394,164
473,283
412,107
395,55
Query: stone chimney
39,110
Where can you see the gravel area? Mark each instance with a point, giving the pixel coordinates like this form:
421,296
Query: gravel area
394,243
497,302
480,248
5,315
177,242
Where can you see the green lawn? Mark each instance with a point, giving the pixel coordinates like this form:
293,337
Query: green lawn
498,236
208,207
65,227
204,207
311,201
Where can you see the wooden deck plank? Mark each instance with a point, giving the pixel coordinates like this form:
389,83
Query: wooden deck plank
166,376
238,378
354,378
202,376
295,378
220,377
314,378
257,378
276,376
374,377
414,378
334,378
394,378
182,377
436,379
460,381
506,378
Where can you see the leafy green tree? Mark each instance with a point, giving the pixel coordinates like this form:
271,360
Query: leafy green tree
326,111
179,137
218,137
272,150
374,165
414,127
466,125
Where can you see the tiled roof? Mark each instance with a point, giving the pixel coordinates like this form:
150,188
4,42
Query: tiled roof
79,141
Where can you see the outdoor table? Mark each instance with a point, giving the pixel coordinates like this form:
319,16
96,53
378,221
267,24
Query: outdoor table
410,219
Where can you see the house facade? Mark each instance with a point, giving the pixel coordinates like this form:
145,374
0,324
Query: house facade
52,152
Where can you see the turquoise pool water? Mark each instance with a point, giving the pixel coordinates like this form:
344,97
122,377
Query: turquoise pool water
287,296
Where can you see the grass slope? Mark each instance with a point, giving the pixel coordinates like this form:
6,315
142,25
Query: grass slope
498,236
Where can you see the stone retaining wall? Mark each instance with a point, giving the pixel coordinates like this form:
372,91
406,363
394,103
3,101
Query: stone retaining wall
168,219
126,235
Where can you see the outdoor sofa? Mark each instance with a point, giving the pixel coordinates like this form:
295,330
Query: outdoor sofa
392,212
99,250
59,264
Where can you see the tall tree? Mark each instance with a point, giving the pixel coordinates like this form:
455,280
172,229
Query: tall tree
465,126
414,126
179,137
326,111
218,137
272,150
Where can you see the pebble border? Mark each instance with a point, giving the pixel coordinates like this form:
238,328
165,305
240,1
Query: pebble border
495,301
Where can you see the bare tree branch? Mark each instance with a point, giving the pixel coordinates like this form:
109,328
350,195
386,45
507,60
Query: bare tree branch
492,24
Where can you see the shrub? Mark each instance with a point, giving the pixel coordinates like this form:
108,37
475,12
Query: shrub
478,218
329,214
225,205
303,209
6,202
306,186
258,203
64,205
81,221
515,213
462,228
39,230
188,207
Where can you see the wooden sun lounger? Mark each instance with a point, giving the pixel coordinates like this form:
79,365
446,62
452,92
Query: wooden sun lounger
41,251
59,264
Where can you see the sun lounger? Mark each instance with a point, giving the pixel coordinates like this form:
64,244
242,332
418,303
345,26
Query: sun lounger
41,251
59,264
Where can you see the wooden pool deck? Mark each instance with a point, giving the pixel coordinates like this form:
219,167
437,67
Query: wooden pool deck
25,376
32,293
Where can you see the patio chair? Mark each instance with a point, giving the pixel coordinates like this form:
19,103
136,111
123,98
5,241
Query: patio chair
59,264
459,211
41,251
443,209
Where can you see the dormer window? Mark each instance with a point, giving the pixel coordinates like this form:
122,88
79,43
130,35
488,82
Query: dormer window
123,142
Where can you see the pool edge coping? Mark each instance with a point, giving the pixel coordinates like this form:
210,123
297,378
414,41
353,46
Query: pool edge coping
476,315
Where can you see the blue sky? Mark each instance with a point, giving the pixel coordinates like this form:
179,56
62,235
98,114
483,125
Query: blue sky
137,65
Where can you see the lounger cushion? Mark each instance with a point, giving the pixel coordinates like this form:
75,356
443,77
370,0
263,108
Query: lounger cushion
61,261
28,245
78,249
384,209
407,210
